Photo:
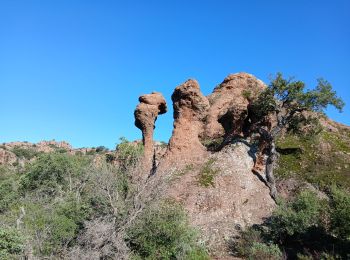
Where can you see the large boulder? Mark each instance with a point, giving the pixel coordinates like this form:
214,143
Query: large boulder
228,104
146,113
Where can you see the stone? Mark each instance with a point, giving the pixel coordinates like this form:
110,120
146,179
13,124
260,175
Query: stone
146,113
190,110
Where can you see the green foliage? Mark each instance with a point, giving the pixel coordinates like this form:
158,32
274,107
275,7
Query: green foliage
8,188
25,152
246,94
306,227
296,216
207,174
11,243
8,193
162,231
251,245
212,144
338,142
287,99
52,171
304,158
54,197
101,149
247,239
340,213
61,150
292,93
62,231
261,251
74,210
54,226
109,157
129,153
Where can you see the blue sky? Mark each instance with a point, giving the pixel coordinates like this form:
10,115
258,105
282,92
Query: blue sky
73,70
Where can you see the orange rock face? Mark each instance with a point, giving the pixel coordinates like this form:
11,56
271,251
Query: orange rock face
151,105
190,109
228,104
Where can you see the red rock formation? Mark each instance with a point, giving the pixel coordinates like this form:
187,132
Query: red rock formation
190,109
151,105
7,157
228,104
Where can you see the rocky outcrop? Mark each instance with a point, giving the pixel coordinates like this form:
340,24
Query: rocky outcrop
49,146
190,109
7,157
232,199
151,105
218,190
228,104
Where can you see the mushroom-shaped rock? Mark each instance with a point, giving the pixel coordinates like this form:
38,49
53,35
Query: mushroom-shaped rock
151,105
228,104
190,109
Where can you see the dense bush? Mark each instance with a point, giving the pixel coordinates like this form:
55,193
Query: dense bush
11,243
307,227
296,216
25,152
162,231
340,213
129,153
52,171
8,188
261,251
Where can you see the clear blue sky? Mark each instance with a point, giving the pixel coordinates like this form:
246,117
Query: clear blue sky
73,70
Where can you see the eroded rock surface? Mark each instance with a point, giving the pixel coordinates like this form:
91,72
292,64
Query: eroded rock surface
234,198
228,104
7,157
190,109
151,105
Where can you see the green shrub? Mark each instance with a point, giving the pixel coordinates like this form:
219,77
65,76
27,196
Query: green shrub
247,238
101,149
308,227
62,231
162,231
304,257
8,188
207,174
71,208
252,245
109,157
246,93
129,153
340,213
8,193
51,227
52,170
24,152
61,150
261,251
297,216
11,243
212,144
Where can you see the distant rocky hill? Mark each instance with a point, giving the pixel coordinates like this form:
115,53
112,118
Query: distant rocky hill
18,152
